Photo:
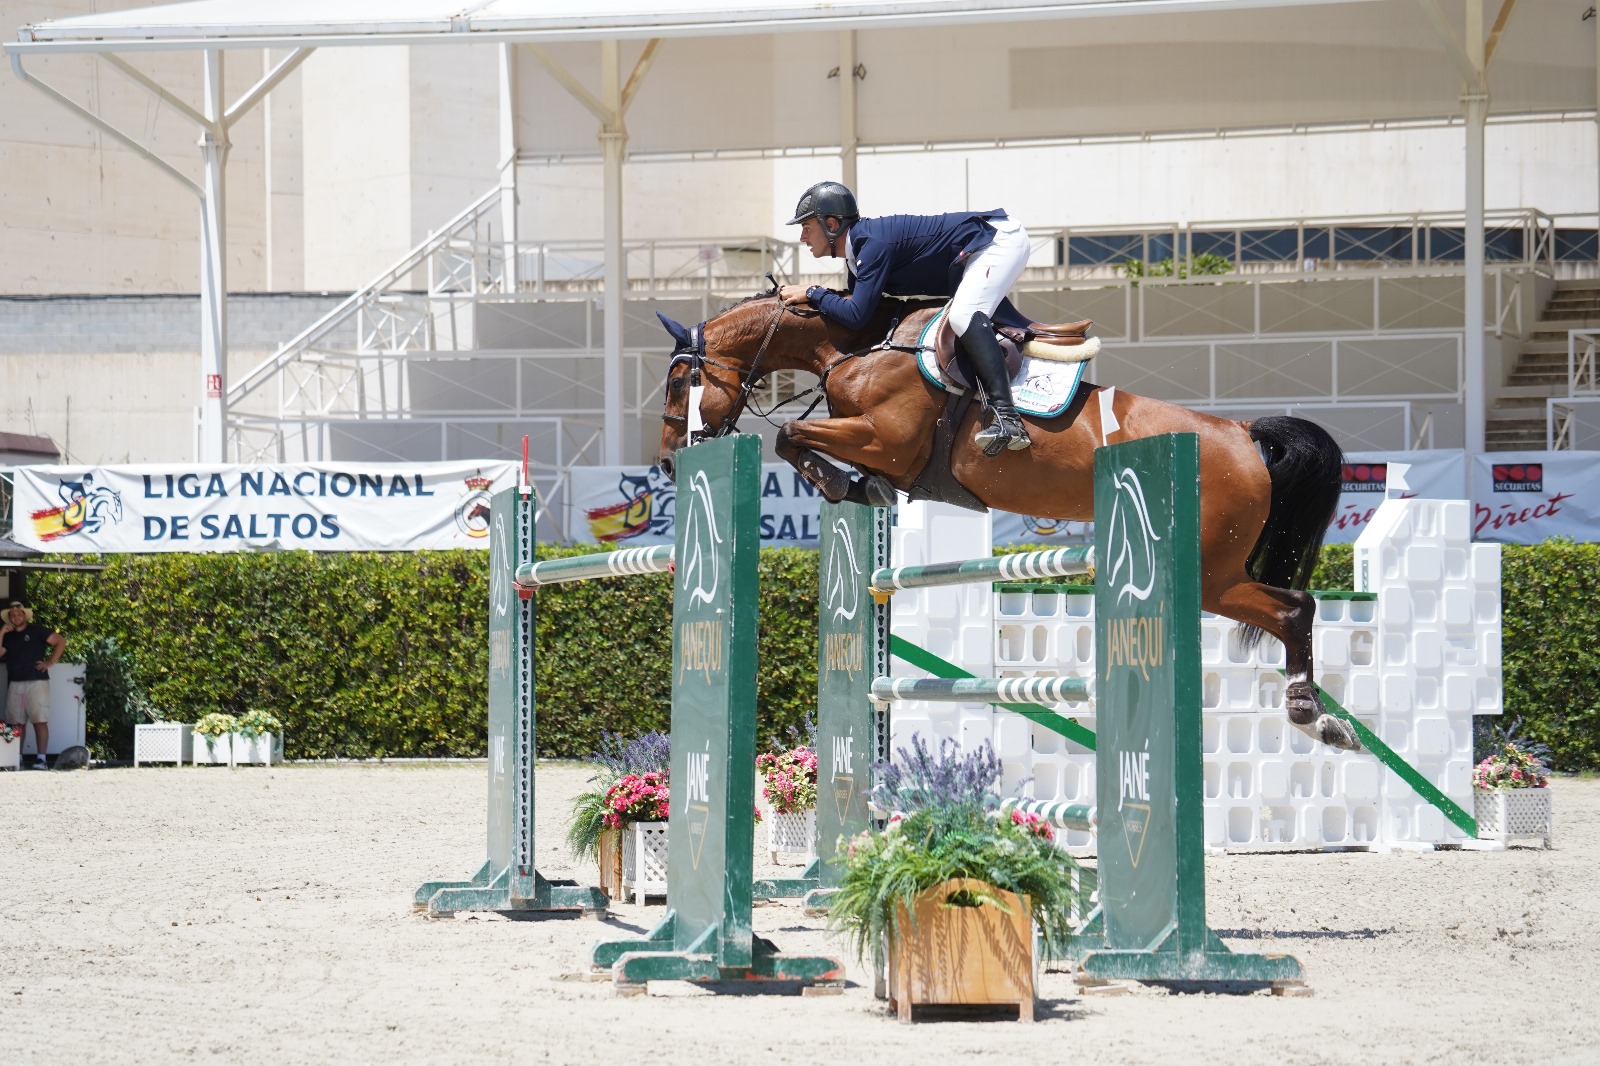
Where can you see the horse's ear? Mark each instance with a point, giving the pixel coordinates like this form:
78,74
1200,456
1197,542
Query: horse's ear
680,333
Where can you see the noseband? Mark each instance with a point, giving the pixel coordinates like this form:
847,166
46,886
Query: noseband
694,354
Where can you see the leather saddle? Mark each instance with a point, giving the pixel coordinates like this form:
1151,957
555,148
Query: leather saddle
1063,342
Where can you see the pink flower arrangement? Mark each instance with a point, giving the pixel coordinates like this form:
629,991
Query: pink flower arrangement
640,798
636,798
790,779
9,732
1511,767
1033,824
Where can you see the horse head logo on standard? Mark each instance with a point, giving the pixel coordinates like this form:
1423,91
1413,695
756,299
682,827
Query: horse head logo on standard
1135,643
842,575
701,639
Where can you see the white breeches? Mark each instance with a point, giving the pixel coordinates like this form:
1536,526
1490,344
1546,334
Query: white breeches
991,274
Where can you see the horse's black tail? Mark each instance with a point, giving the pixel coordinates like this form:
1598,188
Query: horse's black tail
1304,464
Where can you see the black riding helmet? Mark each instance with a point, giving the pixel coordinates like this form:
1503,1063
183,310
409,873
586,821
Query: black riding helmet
827,199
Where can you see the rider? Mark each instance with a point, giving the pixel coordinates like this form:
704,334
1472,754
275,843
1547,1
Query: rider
973,257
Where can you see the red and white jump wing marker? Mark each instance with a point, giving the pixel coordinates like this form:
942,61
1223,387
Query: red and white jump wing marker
524,487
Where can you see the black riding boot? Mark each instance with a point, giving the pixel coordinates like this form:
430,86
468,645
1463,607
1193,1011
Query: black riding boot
989,367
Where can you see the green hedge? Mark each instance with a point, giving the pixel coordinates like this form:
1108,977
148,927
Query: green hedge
385,654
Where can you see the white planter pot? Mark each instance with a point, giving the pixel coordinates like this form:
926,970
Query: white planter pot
163,742
235,749
1514,814
212,751
792,834
644,860
11,754
265,748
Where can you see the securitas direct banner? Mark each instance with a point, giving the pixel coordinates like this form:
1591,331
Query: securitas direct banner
215,508
1518,498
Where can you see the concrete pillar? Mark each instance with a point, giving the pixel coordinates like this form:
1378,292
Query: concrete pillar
848,139
213,269
613,140
1476,101
508,163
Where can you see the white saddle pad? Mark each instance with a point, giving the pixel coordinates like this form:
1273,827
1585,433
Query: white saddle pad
1040,387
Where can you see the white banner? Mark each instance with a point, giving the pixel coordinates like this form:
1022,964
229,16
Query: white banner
1433,475
1529,497
634,505
188,507
1517,498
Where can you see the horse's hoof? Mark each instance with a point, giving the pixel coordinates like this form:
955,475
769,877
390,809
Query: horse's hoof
1336,733
1301,705
879,492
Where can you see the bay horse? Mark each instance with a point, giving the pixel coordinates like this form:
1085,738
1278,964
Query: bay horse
1268,488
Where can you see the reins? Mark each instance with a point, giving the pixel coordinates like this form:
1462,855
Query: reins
694,353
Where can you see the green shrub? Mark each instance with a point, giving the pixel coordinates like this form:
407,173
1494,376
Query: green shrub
386,654
370,654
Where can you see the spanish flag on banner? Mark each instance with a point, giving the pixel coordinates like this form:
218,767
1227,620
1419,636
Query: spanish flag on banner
621,520
58,521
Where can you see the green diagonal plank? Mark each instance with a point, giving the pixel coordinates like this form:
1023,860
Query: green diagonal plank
1406,772
924,659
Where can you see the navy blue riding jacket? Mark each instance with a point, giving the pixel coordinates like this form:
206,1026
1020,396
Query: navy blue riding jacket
905,255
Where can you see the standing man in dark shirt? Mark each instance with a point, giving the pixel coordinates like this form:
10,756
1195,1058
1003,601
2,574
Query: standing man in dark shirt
29,652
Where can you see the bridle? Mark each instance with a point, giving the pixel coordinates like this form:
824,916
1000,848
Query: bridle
694,354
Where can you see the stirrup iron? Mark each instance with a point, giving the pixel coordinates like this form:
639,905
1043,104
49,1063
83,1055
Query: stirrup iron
1006,431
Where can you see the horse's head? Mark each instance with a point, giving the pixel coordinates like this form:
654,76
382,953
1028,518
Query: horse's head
714,367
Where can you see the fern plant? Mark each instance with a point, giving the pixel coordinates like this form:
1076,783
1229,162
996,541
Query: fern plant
948,822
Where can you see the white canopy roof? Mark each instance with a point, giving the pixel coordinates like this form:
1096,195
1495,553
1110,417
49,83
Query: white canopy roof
1014,71
257,22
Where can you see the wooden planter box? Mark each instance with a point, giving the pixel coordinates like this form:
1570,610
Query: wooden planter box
11,754
962,955
1513,814
611,863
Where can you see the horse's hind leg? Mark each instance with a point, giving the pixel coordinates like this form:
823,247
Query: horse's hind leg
1287,614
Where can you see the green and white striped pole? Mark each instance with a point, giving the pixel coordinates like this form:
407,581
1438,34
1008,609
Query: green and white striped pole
625,562
1025,566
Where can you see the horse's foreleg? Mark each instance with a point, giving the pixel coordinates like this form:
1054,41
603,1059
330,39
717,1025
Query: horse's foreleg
1288,615
798,443
834,482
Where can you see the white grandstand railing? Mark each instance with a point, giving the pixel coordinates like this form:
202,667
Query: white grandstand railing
1583,362
1356,374
1252,247
355,362
1341,421
1572,423
369,301
1152,308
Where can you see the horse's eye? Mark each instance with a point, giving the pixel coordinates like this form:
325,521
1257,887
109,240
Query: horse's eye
675,386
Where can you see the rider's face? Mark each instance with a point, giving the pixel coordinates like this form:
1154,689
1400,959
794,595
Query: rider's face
812,236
